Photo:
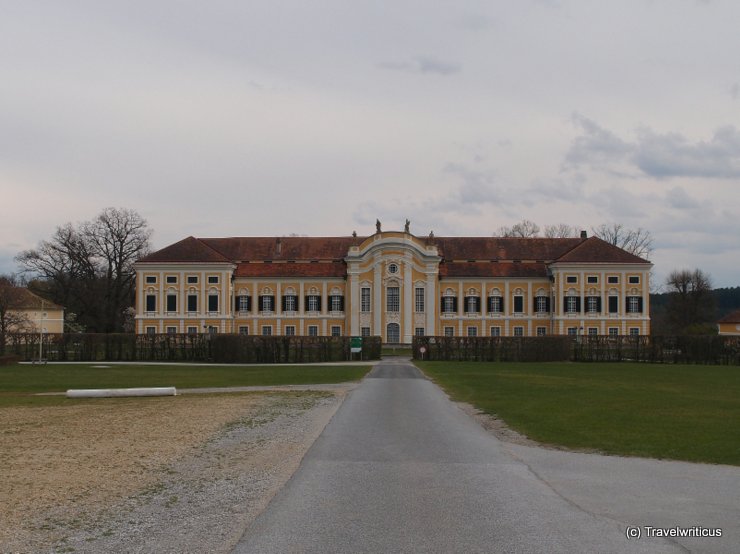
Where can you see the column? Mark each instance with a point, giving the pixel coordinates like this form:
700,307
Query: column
408,303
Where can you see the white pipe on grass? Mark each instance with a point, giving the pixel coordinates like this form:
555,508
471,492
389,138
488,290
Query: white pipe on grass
108,393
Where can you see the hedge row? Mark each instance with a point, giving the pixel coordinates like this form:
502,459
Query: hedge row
220,348
712,349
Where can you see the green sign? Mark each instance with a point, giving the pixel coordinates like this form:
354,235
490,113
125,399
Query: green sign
355,344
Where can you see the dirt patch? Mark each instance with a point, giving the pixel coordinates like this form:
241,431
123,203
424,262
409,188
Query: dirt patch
91,476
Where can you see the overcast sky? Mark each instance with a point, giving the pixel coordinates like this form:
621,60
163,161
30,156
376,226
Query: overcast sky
241,118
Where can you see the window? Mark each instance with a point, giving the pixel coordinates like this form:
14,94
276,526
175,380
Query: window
393,303
393,268
267,303
192,279
573,331
572,304
151,330
541,331
541,304
613,279
419,331
171,279
472,331
365,299
449,304
419,300
634,279
472,304
518,304
393,333
449,331
192,330
495,304
336,303
266,330
593,331
518,331
213,302
613,304
592,280
289,330
244,329
634,304
192,302
151,280
313,303
635,331
290,303
336,331
151,303
571,279
613,331
212,330
593,304
365,331
495,331
213,279
171,302
313,330
243,303
171,330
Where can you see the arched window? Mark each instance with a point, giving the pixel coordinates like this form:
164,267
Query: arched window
393,333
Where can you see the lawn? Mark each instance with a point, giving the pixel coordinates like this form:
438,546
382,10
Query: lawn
17,382
680,412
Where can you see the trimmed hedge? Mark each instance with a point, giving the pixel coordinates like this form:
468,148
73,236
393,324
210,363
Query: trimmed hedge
219,348
709,349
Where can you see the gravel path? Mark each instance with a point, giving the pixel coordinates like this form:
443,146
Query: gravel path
151,475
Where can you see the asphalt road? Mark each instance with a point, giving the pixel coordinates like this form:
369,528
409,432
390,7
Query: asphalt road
402,469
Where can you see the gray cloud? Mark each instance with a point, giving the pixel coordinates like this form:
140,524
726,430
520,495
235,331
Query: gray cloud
424,64
735,91
654,154
671,155
597,146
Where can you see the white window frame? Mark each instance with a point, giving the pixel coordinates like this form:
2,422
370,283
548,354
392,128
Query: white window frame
449,331
393,299
336,330
541,331
313,330
243,329
289,330
266,330
495,331
472,331
365,300
419,300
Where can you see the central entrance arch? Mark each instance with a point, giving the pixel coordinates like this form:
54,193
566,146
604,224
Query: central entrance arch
393,333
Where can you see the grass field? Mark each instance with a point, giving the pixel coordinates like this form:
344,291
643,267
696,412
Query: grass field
687,412
19,382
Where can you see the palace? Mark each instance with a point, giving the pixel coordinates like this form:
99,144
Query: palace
395,285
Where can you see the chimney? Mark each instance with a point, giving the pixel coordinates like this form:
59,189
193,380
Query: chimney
584,235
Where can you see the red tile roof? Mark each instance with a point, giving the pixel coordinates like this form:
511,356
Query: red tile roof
595,250
732,317
492,269
187,250
457,254
333,269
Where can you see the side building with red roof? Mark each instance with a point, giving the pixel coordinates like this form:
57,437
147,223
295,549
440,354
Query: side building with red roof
395,285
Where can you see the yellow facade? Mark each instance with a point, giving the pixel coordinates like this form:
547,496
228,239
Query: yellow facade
394,285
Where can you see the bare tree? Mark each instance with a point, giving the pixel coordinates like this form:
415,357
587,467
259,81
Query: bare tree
12,319
89,268
523,229
635,241
690,306
561,231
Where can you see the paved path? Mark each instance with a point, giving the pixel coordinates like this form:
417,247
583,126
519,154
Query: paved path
402,469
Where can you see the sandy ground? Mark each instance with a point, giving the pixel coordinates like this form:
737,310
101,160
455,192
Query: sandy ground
174,474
